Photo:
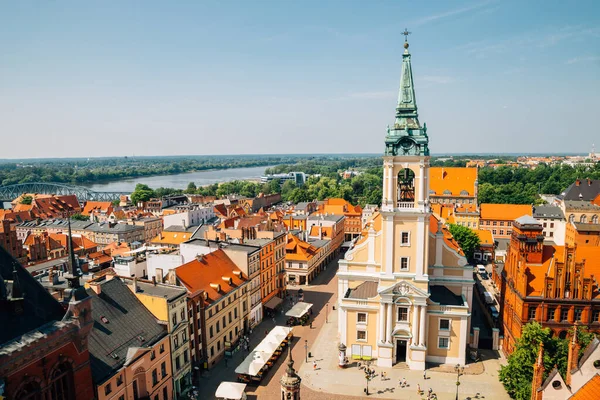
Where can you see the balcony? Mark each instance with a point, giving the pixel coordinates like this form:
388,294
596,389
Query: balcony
405,204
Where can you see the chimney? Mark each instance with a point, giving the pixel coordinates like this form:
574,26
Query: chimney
577,182
135,285
96,287
573,356
538,375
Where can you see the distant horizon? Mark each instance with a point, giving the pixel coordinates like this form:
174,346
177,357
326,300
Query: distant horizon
305,155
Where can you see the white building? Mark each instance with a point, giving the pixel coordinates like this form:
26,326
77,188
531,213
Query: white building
189,215
553,222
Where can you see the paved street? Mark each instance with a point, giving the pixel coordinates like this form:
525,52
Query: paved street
330,382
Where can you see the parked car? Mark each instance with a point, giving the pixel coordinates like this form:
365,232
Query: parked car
484,276
481,269
489,299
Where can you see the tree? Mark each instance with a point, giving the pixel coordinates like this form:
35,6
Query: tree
26,200
274,186
80,217
466,238
116,202
141,193
517,374
191,188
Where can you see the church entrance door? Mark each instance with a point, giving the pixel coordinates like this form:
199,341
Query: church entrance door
400,351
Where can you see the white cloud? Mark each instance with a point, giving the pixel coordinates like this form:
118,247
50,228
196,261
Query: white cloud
452,13
583,59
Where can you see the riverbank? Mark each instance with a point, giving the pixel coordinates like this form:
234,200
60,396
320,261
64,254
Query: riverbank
181,180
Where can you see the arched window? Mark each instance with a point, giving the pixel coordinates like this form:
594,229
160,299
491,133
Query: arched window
61,383
464,193
594,219
571,218
30,391
447,192
406,185
583,219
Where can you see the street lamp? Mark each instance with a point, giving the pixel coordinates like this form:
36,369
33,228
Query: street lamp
327,312
459,371
306,349
369,375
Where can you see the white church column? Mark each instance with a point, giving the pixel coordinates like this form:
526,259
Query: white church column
415,322
423,184
388,327
390,187
382,322
422,327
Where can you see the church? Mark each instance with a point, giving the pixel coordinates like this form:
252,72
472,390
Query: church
405,288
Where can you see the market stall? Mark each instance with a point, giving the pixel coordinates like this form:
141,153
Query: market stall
298,314
231,391
263,357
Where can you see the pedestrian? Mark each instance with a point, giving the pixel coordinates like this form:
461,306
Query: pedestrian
314,365
424,375
383,375
418,389
274,320
310,324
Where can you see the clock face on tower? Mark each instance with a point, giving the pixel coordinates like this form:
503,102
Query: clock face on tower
406,143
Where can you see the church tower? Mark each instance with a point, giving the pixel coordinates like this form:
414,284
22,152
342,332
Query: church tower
404,285
290,381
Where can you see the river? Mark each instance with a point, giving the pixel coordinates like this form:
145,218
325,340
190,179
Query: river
180,181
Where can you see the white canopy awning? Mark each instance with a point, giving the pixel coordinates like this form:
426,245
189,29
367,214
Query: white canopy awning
299,309
230,390
258,357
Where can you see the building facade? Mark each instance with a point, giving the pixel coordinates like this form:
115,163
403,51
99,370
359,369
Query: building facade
553,222
553,285
453,185
405,286
499,218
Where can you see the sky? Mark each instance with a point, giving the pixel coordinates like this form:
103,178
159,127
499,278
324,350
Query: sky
117,78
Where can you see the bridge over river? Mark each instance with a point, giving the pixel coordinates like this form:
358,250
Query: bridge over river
11,192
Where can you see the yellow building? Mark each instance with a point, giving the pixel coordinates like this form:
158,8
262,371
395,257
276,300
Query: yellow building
405,286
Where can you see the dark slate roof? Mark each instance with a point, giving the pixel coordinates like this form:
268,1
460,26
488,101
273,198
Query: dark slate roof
365,290
587,190
39,307
580,205
443,296
587,227
552,212
159,290
502,244
128,323
114,228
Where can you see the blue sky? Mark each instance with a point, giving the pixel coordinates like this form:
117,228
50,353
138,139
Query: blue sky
190,77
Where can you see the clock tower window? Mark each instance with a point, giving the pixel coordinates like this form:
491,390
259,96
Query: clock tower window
406,185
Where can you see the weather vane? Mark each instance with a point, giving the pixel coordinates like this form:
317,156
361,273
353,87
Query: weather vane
406,33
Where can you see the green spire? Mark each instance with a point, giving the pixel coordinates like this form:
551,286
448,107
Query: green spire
407,137
406,111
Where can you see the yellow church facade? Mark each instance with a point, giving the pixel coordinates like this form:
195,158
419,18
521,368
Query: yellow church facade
405,289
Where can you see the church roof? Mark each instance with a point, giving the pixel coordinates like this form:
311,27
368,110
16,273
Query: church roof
366,290
39,307
443,296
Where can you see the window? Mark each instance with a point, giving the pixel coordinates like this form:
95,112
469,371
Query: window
122,397
119,380
177,364
152,355
229,316
154,377
564,314
578,314
224,322
162,349
502,231
532,312
218,327
444,324
404,263
210,313
235,314
583,219
210,332
545,224
443,343
405,238
493,231
176,342
402,314
501,223
183,336
551,224
107,389
361,318
182,314
551,234
185,357
174,319
361,335
551,313
212,351
163,369
495,223
218,345
156,397
595,315
165,393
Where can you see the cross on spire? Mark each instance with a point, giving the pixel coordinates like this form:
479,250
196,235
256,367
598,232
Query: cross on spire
406,33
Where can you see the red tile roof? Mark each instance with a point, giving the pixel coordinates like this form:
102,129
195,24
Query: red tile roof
214,273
